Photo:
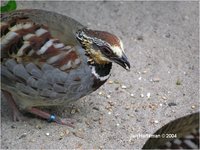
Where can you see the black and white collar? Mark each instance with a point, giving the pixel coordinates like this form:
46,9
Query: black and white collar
101,72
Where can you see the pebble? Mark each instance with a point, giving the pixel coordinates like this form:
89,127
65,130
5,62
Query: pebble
132,95
140,38
13,126
168,35
140,78
95,108
193,106
61,136
23,136
178,82
161,104
117,124
172,104
163,97
111,103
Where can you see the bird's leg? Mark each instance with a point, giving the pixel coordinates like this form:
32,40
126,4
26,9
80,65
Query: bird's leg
51,117
17,116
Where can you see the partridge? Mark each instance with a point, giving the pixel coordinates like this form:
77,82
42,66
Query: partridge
182,133
48,59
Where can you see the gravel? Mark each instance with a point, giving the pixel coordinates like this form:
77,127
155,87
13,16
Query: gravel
161,42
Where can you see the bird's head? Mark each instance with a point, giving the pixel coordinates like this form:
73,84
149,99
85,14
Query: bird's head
103,47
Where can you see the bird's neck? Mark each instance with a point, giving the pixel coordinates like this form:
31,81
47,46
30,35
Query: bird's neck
100,67
101,72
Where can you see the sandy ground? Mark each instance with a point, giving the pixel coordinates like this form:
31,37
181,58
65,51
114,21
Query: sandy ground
161,41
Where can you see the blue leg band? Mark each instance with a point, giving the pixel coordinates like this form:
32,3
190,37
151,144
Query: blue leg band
52,118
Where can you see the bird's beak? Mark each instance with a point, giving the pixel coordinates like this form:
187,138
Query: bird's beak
122,61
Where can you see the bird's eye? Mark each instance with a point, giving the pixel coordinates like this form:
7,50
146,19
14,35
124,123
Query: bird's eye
106,51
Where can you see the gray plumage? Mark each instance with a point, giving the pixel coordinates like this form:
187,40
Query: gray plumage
34,85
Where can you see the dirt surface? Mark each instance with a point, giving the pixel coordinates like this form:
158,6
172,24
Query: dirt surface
161,41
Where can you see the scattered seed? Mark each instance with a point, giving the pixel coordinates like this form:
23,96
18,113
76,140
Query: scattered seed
131,115
163,97
73,111
47,134
142,95
148,95
127,107
140,78
108,96
110,82
161,104
116,82
144,72
132,95
100,93
100,147
109,112
156,121
156,79
117,124
100,120
38,126
66,132
123,87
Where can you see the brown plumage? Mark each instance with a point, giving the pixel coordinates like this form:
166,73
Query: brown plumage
182,133
48,59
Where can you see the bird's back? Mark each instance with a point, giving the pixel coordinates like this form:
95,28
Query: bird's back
41,61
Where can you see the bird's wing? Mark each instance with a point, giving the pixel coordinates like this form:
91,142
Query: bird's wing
35,59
